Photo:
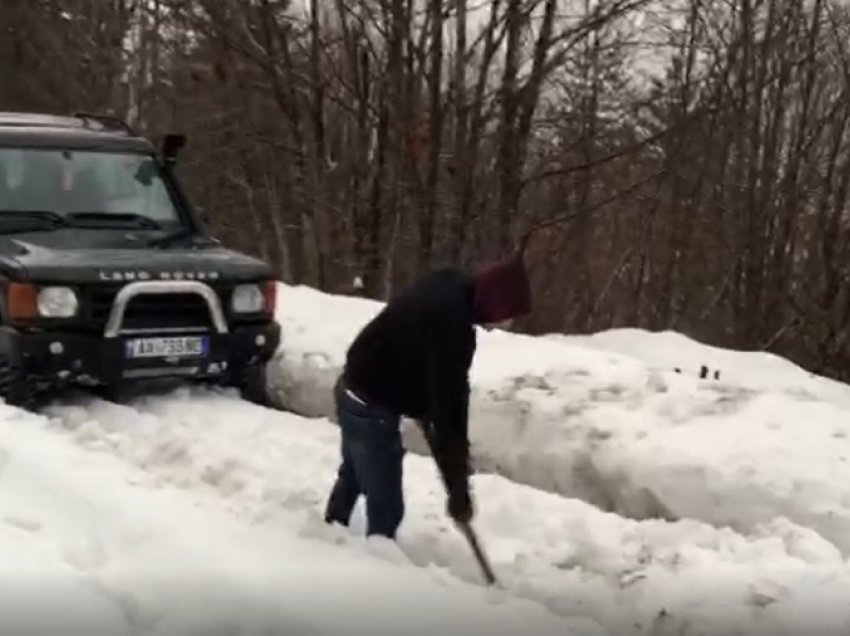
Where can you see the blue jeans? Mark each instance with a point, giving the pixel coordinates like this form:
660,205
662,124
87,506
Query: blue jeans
372,454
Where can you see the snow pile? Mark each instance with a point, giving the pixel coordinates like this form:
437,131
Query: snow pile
668,350
316,331
95,545
271,472
613,430
196,513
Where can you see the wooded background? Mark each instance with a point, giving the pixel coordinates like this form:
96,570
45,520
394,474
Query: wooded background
700,144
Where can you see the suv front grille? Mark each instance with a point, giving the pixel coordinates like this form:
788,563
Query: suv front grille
152,311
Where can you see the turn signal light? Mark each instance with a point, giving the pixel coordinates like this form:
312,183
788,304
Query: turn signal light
270,297
22,301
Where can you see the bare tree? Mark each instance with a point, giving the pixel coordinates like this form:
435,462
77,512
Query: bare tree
374,140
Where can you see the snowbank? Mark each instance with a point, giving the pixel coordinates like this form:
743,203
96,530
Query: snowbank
316,331
95,545
615,430
668,350
272,472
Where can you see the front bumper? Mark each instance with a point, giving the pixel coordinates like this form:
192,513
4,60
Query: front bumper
57,356
54,355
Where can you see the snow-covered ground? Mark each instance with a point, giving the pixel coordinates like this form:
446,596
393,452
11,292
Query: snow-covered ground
757,370
194,536
242,488
693,508
615,425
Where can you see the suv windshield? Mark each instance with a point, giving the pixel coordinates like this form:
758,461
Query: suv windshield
110,186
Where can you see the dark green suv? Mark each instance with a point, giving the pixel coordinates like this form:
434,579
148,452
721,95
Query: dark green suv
107,274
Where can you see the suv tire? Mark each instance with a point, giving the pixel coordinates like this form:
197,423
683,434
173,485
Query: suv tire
15,388
252,384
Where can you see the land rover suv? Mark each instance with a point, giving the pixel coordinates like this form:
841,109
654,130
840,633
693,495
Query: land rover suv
107,272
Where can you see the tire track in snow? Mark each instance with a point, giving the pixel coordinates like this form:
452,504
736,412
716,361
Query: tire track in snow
268,466
111,548
84,553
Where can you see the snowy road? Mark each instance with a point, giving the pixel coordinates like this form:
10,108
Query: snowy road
94,544
237,492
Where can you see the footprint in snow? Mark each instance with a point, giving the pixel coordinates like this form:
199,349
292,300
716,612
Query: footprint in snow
23,523
86,555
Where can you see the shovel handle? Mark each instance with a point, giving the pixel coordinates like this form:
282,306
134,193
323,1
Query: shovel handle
486,570
465,528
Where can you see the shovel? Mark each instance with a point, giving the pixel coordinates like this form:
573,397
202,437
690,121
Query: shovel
486,570
465,528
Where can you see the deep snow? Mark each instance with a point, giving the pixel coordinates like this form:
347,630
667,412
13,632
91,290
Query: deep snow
93,544
196,513
623,432
757,370
270,473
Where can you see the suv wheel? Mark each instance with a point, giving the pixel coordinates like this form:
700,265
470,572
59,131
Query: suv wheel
15,388
251,382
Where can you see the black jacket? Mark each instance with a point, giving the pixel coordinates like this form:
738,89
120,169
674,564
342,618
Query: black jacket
413,358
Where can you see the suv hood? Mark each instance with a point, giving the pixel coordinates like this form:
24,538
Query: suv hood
39,262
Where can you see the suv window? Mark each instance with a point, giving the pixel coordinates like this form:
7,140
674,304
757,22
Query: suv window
65,182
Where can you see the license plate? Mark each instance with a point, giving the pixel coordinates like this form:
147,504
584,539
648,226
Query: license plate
187,346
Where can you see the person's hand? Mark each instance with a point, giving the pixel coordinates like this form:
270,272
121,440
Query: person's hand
459,507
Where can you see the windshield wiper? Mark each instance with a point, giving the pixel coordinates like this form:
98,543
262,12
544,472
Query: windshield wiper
112,220
30,221
14,221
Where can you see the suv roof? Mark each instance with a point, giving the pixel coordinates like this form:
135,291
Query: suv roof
80,131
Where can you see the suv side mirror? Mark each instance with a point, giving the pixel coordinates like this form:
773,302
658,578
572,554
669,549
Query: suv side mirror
171,146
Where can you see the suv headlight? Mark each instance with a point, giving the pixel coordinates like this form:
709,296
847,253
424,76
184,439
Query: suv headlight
57,302
247,299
